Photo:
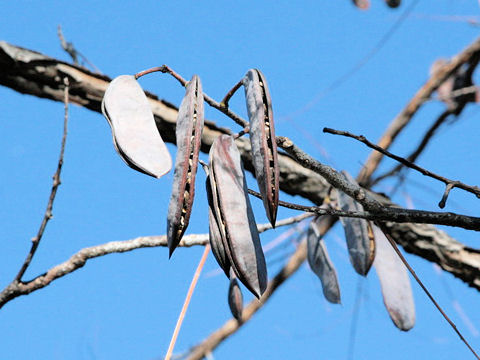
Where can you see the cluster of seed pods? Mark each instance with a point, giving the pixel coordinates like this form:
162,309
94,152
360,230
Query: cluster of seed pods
367,245
233,233
234,237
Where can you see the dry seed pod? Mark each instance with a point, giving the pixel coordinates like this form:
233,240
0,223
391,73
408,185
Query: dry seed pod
235,298
360,243
215,236
234,215
262,139
135,135
321,264
395,283
189,134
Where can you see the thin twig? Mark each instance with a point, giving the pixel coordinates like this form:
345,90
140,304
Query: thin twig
450,184
78,260
374,208
425,290
230,93
56,183
416,153
422,95
187,302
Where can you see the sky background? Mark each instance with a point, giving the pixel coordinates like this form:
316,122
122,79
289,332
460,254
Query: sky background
125,306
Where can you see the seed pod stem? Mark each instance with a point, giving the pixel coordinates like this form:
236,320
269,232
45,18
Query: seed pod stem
230,93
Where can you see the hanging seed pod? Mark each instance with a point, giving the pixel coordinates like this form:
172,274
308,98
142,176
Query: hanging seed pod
321,264
360,242
135,135
189,134
262,139
234,215
235,298
395,283
215,236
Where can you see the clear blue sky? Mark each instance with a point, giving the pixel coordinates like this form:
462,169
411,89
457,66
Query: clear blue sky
125,306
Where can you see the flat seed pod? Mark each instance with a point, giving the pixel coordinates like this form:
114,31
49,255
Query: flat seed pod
189,134
395,283
321,264
235,297
135,135
215,235
262,138
234,215
361,247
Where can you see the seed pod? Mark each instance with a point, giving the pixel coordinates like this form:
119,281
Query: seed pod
395,283
189,134
360,242
235,298
215,236
262,139
321,264
234,215
135,135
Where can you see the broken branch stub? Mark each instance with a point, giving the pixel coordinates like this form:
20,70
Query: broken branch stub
135,135
395,283
262,139
360,242
188,133
234,215
321,264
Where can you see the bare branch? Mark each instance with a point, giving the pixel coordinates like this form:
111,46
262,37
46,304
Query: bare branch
53,192
375,209
422,95
450,184
78,260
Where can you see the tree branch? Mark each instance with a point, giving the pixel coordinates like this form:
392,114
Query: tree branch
449,184
32,73
422,95
53,192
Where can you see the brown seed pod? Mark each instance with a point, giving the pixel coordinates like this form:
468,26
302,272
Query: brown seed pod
135,135
262,139
235,297
360,243
189,134
234,215
395,283
321,264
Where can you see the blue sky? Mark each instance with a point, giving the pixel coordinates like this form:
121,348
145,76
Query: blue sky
125,306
